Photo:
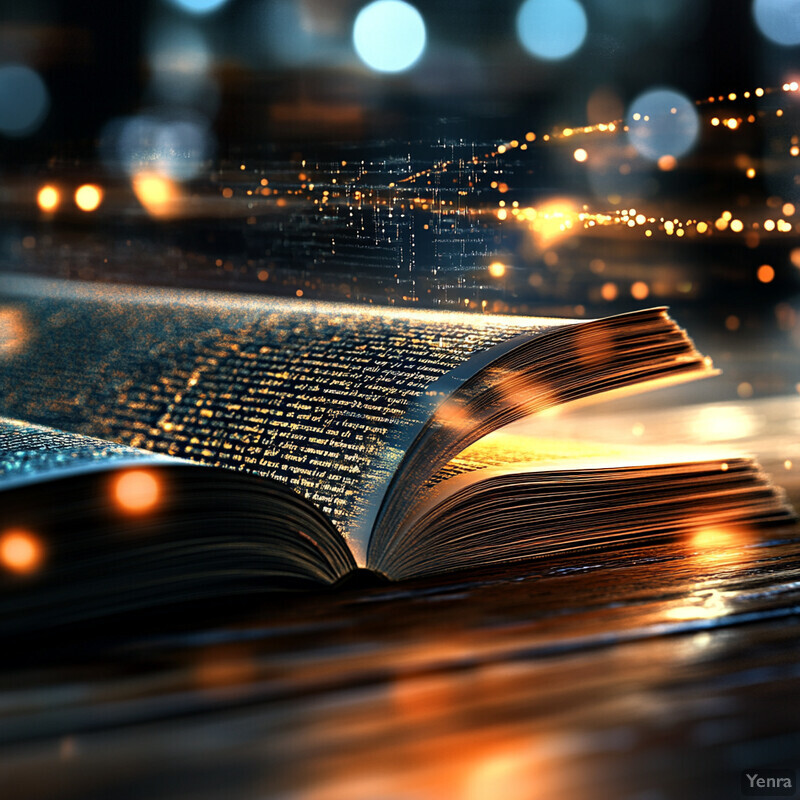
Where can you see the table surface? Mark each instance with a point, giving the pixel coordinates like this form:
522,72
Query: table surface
657,671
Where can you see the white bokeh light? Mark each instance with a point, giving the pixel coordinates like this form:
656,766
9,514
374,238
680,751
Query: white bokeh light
551,29
778,20
389,35
198,7
24,100
662,122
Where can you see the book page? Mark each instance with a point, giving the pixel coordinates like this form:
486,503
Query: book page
325,397
514,453
31,453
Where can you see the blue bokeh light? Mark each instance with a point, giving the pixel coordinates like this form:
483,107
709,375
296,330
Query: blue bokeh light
198,7
551,29
662,122
180,69
778,20
389,35
24,100
175,147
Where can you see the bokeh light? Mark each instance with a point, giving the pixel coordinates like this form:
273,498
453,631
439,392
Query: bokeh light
174,147
497,269
180,63
198,7
20,551
289,32
159,195
88,197
551,29
13,331
778,20
137,491
389,35
765,273
24,100
48,198
662,122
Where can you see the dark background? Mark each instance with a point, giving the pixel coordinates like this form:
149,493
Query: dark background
474,76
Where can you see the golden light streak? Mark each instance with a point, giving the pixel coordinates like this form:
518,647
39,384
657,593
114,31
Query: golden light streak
552,221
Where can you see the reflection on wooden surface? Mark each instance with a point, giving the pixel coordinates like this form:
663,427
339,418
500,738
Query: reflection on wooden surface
650,672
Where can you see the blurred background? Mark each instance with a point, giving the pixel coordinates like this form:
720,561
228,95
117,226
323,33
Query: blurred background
568,157
554,157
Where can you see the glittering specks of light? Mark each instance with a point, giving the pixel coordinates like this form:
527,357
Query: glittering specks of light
553,220
551,29
662,122
389,35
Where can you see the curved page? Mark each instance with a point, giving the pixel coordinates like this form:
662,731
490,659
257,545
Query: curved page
322,396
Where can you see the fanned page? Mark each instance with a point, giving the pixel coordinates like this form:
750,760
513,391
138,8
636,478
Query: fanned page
512,496
324,397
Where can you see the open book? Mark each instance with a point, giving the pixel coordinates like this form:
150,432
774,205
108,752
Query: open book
178,444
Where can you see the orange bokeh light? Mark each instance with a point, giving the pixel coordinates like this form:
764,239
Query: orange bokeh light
497,269
48,198
765,273
158,194
20,551
88,197
13,331
609,291
137,491
667,163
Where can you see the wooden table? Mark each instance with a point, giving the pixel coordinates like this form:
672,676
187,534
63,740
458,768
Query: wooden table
646,673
